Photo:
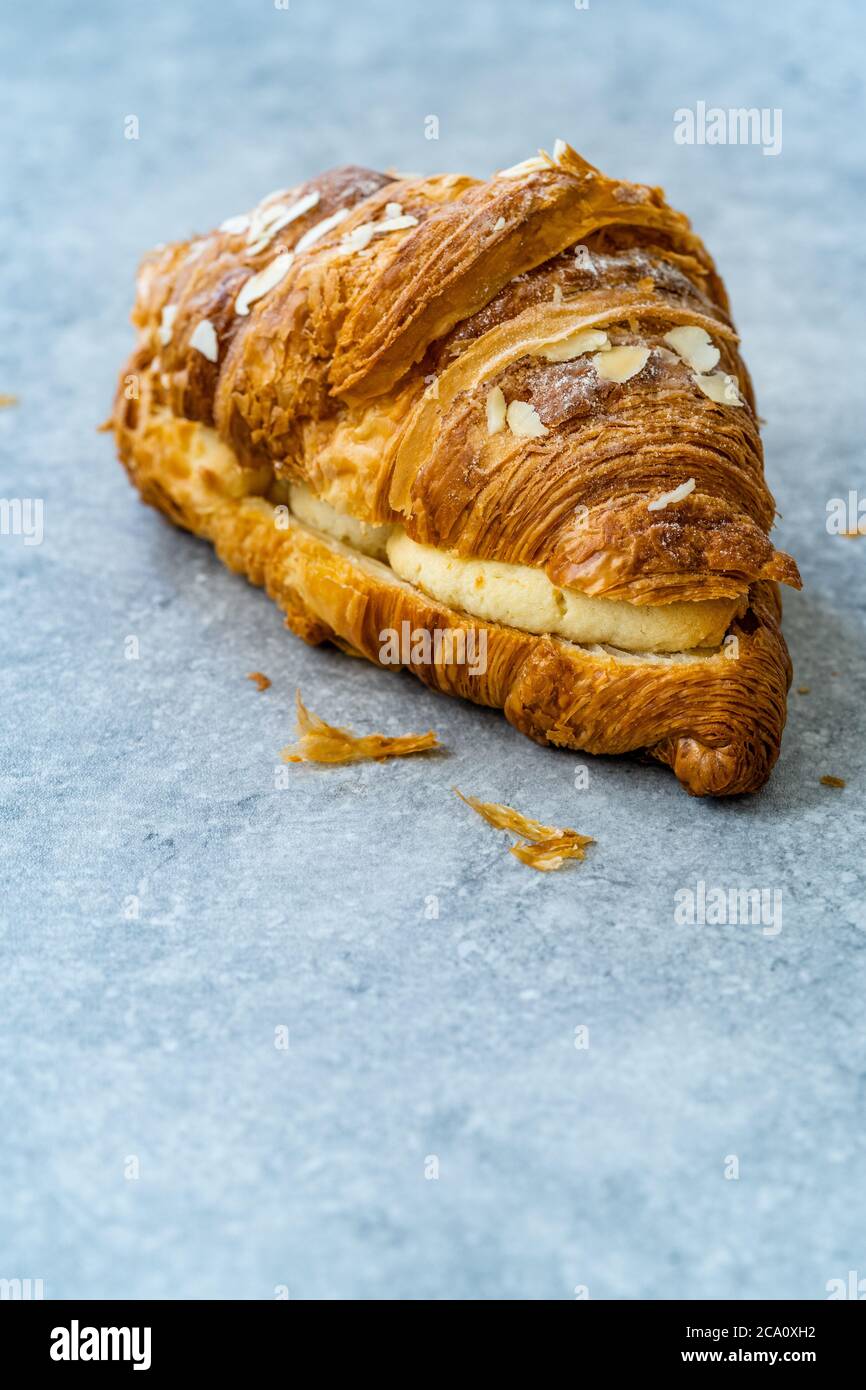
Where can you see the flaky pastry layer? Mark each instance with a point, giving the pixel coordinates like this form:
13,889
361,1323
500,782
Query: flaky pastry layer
518,596
715,720
535,377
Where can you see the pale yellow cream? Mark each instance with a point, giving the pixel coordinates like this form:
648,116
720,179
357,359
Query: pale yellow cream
522,597
518,595
360,535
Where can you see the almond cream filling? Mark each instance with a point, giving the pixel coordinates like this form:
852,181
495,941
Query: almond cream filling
518,595
360,535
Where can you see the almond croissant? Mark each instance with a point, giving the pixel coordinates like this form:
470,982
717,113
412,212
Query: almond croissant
510,414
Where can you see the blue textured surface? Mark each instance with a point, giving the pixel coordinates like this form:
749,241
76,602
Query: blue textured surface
305,907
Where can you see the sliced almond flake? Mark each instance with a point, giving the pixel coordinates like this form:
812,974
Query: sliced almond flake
495,410
263,217
695,346
321,229
393,210
279,215
499,224
667,499
319,742
195,250
166,323
259,285
557,295
260,237
583,260
533,165
666,355
204,339
144,280
720,387
543,847
358,238
584,340
235,225
524,420
559,149
620,364
394,224
362,235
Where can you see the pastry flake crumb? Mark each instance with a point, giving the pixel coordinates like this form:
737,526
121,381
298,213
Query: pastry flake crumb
261,680
547,855
319,742
543,847
828,781
803,689
7,400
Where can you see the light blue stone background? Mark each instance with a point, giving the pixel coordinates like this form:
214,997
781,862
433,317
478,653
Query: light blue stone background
304,907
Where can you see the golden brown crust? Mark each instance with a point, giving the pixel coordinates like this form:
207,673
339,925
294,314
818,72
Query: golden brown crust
471,291
716,719
364,372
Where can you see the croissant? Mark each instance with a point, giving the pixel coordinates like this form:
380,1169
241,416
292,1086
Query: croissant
510,415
